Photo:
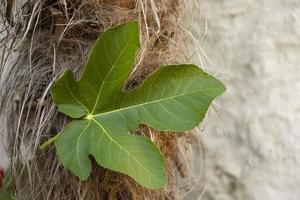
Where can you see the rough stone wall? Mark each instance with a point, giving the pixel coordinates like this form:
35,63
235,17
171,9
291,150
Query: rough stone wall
253,140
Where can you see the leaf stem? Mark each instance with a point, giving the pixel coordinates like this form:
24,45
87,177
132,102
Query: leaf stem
48,142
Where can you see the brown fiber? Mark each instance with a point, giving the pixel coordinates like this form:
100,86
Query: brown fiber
46,37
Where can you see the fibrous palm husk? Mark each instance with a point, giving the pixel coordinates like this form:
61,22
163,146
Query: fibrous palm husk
43,38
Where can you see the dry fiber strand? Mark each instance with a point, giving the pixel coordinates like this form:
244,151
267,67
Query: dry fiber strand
42,39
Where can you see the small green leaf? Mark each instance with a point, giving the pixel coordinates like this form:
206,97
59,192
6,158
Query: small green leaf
6,190
174,98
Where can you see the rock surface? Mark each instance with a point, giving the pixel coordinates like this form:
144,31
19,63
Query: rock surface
253,139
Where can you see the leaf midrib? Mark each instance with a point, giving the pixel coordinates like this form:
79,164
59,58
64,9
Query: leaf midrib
148,102
107,75
119,145
75,98
77,143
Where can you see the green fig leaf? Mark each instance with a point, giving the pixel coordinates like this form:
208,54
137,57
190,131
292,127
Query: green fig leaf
7,187
173,98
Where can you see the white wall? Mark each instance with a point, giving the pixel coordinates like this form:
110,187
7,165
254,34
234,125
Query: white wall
253,141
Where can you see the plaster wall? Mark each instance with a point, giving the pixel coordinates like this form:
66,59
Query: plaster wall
253,138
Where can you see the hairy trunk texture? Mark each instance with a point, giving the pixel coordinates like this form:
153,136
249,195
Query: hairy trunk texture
43,38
